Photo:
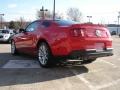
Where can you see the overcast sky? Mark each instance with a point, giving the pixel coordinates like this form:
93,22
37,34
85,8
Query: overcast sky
102,11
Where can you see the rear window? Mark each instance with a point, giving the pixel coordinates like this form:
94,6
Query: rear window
4,31
65,22
46,23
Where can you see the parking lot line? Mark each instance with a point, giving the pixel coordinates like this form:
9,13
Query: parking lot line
89,83
84,80
22,64
108,84
109,63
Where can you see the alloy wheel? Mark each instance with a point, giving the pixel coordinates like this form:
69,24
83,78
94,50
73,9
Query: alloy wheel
43,54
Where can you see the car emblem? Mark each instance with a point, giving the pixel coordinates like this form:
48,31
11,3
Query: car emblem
98,33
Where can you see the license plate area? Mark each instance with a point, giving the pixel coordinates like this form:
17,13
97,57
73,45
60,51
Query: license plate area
99,47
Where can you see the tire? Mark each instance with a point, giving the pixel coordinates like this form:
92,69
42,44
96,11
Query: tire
9,41
44,55
13,48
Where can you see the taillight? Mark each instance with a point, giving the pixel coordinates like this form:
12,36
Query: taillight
82,32
78,33
108,33
75,32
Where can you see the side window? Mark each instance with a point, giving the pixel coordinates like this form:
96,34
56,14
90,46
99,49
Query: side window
32,27
29,28
46,24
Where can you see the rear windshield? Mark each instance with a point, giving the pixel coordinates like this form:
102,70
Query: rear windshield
4,31
65,22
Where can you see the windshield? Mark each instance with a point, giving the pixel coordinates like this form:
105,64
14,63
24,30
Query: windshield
4,31
65,22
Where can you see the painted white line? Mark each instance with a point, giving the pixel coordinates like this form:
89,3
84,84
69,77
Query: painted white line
22,64
108,84
113,65
89,83
95,71
84,80
118,59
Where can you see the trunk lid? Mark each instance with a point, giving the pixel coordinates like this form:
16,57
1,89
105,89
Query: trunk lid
90,36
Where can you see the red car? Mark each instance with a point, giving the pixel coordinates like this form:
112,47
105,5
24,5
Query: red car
61,38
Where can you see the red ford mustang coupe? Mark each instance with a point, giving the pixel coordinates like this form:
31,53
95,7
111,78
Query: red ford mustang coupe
61,38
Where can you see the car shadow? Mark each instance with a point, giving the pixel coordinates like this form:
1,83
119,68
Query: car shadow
18,76
6,57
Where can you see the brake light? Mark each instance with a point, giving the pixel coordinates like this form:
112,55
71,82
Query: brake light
78,32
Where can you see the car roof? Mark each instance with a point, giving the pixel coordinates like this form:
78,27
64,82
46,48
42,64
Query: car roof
55,21
51,20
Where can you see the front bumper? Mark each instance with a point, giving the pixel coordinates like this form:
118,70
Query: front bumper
91,53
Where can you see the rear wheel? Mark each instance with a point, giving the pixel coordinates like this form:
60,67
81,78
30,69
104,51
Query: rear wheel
13,48
44,55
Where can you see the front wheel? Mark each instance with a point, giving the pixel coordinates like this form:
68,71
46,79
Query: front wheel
44,55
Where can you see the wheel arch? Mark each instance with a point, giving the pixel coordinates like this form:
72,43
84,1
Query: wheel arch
45,41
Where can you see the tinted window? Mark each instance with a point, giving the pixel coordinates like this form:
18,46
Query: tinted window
32,27
65,22
4,31
0,31
46,24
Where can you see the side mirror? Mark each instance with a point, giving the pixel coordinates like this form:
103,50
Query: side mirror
21,30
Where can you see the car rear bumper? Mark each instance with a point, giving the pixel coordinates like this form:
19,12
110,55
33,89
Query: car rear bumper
3,40
90,53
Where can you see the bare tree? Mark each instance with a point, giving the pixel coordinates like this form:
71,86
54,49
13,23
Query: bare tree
1,22
22,22
59,15
39,14
11,25
74,14
49,15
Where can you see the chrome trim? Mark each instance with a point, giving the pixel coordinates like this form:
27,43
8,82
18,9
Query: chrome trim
109,48
90,49
95,49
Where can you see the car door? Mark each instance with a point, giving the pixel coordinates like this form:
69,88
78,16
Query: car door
27,39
